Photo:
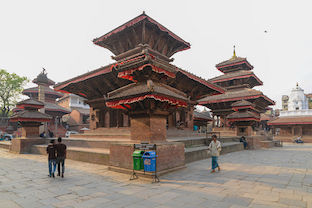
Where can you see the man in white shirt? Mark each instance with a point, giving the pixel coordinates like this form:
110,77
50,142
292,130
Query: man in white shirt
215,149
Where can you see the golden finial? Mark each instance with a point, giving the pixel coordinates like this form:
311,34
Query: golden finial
234,53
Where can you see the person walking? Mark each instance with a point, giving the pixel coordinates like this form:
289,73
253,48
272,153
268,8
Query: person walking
61,155
51,150
215,149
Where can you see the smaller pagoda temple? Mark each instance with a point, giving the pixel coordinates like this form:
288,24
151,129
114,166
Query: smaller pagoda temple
240,106
45,94
30,119
244,117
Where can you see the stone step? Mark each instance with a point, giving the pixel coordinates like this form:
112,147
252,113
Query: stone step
189,142
5,144
91,155
113,130
270,144
100,136
201,152
92,142
105,133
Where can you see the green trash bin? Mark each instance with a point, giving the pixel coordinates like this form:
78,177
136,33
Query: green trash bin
138,160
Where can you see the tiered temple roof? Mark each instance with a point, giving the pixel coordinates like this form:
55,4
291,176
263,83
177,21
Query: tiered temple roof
247,77
243,111
142,30
236,95
142,49
30,112
136,92
50,95
239,103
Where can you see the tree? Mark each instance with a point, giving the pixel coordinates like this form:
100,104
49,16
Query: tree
11,87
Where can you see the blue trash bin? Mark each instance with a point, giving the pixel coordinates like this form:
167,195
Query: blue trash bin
149,161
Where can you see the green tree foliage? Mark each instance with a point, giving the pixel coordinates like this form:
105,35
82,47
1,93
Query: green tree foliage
11,86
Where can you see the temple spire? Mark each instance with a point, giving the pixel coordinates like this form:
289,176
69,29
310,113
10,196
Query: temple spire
234,53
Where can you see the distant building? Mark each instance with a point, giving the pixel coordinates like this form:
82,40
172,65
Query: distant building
297,99
80,111
297,119
309,97
285,99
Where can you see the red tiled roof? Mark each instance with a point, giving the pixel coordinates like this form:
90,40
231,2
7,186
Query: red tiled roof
291,120
30,102
235,95
242,103
245,114
136,20
143,88
233,61
235,75
25,114
102,70
47,90
55,107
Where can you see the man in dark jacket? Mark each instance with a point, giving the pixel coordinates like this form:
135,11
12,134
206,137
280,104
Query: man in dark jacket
61,155
51,150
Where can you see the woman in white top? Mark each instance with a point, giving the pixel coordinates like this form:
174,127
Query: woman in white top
215,149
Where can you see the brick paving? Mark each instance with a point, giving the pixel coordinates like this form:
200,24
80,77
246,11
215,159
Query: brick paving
277,177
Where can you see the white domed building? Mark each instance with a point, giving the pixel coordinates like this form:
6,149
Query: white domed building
297,100
296,118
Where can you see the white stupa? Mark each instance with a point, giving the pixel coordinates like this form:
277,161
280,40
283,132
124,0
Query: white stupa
297,104
297,99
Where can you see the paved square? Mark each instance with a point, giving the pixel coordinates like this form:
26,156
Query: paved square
277,177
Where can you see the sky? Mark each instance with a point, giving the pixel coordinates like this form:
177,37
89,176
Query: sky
57,35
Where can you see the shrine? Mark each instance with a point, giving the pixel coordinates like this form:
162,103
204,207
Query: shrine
238,109
142,92
45,94
30,119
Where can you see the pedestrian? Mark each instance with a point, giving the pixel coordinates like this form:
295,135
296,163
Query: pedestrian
243,140
51,150
61,155
215,149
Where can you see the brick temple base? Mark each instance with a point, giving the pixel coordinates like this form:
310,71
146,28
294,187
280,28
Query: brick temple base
150,129
23,145
30,131
170,156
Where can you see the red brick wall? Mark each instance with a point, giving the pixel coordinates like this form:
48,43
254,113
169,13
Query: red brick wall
170,155
30,131
24,145
148,129
121,155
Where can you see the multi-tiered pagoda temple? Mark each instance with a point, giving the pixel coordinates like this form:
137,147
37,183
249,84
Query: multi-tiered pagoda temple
240,106
142,89
143,71
45,94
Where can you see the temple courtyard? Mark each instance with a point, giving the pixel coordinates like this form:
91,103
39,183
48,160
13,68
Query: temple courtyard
276,177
